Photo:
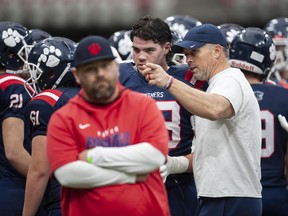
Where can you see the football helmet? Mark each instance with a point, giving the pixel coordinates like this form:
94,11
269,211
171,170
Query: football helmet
230,30
182,23
253,50
38,35
50,62
14,46
278,29
176,37
123,44
177,58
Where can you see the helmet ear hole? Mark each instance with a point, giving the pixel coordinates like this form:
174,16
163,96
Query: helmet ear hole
51,74
10,54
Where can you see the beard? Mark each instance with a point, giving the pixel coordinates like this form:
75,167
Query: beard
101,92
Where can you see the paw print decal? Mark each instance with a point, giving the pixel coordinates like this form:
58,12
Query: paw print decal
125,45
50,56
231,34
180,28
11,38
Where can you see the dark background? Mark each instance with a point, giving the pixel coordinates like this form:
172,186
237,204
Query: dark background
76,19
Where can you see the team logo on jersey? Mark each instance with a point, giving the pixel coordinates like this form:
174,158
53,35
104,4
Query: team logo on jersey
11,38
155,94
259,95
109,138
50,56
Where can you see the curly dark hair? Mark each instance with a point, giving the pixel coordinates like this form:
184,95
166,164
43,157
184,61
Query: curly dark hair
148,28
155,29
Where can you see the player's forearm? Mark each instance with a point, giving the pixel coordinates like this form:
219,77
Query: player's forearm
13,138
20,160
138,159
37,178
35,188
80,174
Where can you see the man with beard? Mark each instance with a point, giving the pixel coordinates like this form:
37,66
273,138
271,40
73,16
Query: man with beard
106,145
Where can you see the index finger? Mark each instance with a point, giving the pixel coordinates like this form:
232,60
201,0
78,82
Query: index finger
152,66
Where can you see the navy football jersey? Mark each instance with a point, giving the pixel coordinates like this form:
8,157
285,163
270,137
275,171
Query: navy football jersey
177,119
272,101
38,113
43,105
13,99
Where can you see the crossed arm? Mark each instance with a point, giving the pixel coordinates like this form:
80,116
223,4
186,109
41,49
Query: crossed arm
112,165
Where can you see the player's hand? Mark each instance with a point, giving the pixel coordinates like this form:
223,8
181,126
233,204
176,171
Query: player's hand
164,172
283,122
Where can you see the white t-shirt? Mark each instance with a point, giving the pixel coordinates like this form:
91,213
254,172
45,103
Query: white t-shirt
227,152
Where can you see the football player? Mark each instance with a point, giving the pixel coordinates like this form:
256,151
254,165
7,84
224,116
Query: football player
277,28
49,63
15,144
151,42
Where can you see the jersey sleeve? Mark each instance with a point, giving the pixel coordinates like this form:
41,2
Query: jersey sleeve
13,101
38,113
230,88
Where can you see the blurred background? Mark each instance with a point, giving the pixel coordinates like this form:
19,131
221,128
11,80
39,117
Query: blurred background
76,19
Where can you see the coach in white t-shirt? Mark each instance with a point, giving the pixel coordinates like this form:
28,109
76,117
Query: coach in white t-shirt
227,148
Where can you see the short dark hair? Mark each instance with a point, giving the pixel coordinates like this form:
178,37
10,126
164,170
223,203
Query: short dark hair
259,77
155,29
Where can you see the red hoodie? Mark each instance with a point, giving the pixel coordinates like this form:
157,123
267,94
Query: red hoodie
132,118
